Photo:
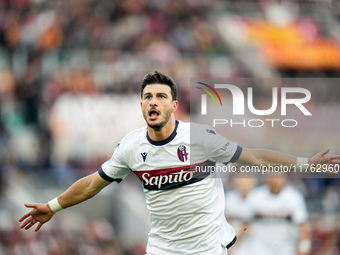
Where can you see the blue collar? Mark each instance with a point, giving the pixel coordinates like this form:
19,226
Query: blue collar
165,141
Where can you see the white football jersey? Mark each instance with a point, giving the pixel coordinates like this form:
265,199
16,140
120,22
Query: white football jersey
275,220
186,203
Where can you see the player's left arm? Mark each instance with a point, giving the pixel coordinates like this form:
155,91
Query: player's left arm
261,157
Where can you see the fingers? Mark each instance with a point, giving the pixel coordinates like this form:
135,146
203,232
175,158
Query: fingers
28,217
335,157
32,223
25,216
332,172
38,227
332,159
28,205
27,224
324,152
31,205
29,213
36,215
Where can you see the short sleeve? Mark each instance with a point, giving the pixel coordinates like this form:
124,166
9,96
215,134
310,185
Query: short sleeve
115,169
219,148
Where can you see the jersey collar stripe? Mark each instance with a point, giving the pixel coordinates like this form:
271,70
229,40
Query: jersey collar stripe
168,140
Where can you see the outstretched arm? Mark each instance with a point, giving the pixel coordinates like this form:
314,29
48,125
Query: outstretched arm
266,157
80,191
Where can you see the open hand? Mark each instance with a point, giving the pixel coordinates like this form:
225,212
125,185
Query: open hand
330,163
40,213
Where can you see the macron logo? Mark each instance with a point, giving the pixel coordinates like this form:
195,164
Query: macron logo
144,154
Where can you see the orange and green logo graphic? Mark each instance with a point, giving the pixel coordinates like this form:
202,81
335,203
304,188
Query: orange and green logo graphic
204,97
209,93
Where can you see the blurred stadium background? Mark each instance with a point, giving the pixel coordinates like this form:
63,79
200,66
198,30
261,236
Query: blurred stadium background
70,75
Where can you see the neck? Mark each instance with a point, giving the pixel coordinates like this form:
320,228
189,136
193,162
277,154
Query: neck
164,132
275,190
244,194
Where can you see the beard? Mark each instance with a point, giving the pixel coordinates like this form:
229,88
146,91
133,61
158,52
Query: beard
160,125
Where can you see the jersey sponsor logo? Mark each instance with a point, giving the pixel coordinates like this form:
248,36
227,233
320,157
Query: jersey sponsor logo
182,153
163,179
144,154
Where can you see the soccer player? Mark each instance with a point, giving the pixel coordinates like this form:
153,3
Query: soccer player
186,206
238,212
279,221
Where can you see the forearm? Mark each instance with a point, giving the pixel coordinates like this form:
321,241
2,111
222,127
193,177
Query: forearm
305,231
83,189
266,157
304,245
273,158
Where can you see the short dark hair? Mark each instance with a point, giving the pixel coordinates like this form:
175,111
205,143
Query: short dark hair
157,77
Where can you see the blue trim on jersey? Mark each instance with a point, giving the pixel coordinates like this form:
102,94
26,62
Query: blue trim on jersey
108,178
231,243
167,140
236,154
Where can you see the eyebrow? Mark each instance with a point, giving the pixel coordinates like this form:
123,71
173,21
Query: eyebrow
157,94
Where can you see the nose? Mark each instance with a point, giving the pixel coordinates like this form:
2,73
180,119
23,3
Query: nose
153,101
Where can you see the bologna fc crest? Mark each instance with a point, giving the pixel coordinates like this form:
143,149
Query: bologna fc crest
182,153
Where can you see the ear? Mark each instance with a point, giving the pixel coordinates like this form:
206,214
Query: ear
174,105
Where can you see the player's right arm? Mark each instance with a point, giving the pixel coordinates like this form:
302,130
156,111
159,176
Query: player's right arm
305,244
81,190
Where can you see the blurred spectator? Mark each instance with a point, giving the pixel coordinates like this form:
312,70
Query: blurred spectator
98,238
238,212
279,219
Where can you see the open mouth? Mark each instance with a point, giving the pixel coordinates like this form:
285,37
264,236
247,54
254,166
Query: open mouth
153,114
